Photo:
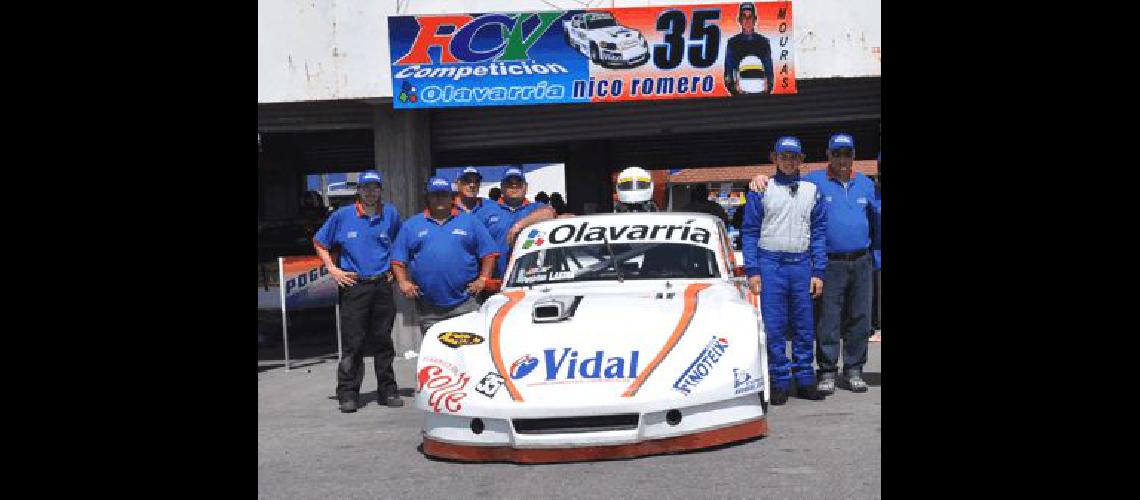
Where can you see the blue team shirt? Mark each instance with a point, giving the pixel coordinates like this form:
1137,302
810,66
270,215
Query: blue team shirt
365,241
507,218
849,210
877,245
487,211
443,258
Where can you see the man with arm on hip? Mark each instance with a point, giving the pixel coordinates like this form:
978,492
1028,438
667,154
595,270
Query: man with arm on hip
442,258
364,233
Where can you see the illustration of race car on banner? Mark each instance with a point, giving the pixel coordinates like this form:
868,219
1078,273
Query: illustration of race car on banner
614,336
596,55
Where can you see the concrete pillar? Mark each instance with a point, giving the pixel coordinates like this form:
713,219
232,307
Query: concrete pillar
588,169
402,145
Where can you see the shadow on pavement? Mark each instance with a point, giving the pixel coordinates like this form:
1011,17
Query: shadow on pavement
873,378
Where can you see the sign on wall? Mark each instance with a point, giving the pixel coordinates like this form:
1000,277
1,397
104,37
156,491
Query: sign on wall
596,55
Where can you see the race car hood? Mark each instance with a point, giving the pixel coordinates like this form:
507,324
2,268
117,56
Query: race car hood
618,342
616,32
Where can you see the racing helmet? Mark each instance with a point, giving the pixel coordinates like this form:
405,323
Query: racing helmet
752,78
634,185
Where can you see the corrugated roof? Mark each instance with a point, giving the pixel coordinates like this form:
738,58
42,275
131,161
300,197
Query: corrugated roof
747,172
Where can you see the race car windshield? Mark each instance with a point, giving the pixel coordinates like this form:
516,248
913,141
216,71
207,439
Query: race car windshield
637,261
630,185
600,23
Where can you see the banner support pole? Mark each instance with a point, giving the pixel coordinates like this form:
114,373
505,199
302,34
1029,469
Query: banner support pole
284,317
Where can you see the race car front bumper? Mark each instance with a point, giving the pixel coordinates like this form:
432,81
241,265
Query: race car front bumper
632,56
593,437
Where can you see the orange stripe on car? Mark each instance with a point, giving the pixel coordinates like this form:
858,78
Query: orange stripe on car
682,325
496,342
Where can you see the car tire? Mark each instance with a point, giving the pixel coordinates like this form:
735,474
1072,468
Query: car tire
595,55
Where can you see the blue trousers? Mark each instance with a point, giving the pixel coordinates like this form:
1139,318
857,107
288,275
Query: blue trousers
785,301
845,314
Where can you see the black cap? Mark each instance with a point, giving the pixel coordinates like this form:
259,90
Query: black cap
747,6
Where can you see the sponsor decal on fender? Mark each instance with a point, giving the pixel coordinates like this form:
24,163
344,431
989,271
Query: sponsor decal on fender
700,367
445,390
490,384
456,339
743,382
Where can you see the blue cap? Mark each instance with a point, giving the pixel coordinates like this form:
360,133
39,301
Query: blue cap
469,170
370,176
514,172
438,185
841,141
788,143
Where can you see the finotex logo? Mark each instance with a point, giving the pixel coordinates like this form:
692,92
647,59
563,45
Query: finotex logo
454,35
534,238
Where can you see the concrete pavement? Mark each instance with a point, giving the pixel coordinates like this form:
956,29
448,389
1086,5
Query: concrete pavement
306,448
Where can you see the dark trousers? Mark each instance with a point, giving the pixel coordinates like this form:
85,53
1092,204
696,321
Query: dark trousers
844,313
367,312
430,314
875,307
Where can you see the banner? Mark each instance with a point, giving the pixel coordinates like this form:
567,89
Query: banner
308,283
595,55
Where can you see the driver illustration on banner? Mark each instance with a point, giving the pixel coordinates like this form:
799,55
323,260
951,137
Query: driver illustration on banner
748,59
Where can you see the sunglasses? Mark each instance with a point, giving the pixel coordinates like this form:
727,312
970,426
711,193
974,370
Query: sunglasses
788,156
469,180
843,152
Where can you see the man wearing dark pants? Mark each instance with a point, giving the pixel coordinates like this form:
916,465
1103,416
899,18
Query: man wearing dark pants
784,257
845,308
442,258
364,233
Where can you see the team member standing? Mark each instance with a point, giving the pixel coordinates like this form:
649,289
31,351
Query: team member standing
488,212
876,250
747,43
517,213
845,308
784,257
364,233
442,258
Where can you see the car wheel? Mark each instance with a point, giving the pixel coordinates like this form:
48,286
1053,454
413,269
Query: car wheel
595,55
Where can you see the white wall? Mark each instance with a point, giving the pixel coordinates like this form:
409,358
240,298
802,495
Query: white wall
338,49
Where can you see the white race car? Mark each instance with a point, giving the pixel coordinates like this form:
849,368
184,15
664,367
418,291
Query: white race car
598,36
614,336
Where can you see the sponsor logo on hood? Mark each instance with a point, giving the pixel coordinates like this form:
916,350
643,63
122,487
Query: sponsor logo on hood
587,367
444,391
490,384
700,367
523,366
456,339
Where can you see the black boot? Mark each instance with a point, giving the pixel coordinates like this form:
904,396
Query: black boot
810,391
348,404
779,396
